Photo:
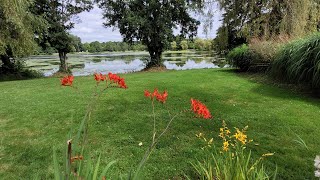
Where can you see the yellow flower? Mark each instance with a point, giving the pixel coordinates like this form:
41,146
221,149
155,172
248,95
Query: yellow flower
199,135
221,129
221,135
228,131
240,136
225,145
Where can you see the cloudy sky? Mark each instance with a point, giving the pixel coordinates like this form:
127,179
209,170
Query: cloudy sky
90,28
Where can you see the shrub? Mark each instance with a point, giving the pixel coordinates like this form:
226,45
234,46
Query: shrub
240,57
299,62
18,70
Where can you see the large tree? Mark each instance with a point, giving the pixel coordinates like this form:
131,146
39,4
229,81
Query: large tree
17,27
149,21
246,19
61,16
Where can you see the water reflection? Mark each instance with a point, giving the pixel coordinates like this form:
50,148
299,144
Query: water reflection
82,65
190,64
116,66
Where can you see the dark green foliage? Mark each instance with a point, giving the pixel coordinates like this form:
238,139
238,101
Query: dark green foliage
239,57
96,46
18,71
246,59
149,21
60,15
17,33
299,62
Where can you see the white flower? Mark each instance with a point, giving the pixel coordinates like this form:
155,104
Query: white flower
140,144
317,173
317,162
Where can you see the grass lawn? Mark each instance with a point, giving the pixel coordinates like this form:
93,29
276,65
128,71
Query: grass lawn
36,115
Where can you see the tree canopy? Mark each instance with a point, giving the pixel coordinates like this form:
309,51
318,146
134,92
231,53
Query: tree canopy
149,21
243,19
17,27
61,16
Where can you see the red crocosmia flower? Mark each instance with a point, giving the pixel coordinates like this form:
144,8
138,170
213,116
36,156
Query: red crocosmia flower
113,77
147,93
155,93
116,79
160,97
200,109
122,83
67,81
100,77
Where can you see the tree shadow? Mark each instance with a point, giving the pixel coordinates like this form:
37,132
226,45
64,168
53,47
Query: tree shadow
286,91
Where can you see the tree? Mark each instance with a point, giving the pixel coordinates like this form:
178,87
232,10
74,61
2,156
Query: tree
86,47
149,21
199,44
243,20
184,45
173,45
95,47
17,32
76,43
61,16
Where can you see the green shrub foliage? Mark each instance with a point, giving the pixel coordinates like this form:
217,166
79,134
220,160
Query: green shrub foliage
239,57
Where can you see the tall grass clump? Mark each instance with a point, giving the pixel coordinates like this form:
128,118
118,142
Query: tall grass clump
268,48
299,62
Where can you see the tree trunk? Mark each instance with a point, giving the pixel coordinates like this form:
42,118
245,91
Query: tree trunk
63,64
7,65
155,58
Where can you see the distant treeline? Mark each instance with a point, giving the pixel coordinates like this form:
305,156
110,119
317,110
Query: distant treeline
96,46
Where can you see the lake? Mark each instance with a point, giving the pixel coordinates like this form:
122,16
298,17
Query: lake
83,64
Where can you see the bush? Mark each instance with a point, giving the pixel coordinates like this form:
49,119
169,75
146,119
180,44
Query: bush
18,70
299,62
239,57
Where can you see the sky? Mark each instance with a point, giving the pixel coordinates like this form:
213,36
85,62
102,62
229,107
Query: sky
90,27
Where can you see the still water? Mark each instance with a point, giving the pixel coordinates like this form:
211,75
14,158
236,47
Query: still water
86,64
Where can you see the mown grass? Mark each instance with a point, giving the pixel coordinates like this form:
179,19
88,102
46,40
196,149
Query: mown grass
36,115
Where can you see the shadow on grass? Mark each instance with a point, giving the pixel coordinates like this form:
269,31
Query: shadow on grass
20,76
280,89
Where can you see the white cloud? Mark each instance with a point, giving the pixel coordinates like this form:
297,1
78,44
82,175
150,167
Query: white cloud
90,28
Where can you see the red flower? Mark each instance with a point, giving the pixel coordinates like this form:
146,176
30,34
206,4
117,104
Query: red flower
67,81
147,93
116,79
122,84
155,93
160,97
100,77
200,109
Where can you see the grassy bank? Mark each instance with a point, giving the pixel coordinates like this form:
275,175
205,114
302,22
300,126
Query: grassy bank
37,114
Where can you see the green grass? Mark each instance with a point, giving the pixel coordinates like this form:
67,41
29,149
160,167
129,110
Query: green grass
36,115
